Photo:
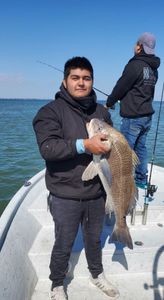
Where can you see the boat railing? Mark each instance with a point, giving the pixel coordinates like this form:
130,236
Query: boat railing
10,211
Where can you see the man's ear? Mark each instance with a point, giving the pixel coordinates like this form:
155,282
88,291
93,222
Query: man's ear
64,83
139,48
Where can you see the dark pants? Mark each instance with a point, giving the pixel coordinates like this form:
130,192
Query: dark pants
67,215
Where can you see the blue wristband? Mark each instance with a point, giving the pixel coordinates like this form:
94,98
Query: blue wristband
80,146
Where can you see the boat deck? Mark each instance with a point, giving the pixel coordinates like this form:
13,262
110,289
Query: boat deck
142,267
137,273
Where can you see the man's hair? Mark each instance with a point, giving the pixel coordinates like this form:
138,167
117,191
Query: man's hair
77,62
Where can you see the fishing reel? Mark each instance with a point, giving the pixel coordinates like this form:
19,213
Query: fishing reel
151,189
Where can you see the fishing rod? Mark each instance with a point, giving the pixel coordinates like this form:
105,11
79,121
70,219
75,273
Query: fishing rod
155,142
51,66
151,188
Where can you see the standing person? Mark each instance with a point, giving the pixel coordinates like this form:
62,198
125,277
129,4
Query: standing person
135,90
61,133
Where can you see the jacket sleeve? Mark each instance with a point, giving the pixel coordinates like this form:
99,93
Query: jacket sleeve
49,135
107,117
124,84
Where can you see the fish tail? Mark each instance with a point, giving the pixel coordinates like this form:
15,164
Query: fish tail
122,235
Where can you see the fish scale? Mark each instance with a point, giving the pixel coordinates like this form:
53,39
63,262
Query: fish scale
121,168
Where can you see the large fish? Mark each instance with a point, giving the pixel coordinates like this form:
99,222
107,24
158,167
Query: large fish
116,171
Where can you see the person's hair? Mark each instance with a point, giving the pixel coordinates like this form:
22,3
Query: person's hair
77,62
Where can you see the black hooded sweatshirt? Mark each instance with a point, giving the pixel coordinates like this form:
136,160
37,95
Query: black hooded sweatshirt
57,126
135,88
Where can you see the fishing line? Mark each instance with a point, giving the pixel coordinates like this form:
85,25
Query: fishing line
51,66
43,63
151,189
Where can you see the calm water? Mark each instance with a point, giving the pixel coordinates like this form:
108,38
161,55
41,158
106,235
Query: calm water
19,155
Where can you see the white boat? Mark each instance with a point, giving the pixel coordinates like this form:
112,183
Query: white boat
26,240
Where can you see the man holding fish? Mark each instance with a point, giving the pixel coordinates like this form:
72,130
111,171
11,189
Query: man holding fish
63,141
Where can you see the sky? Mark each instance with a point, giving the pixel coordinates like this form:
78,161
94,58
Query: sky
52,31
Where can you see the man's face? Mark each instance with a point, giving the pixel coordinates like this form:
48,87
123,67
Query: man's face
78,83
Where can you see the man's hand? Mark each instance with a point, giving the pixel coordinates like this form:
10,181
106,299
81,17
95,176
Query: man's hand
98,144
107,107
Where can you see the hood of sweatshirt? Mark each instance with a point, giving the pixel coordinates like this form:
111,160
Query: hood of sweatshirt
152,60
81,103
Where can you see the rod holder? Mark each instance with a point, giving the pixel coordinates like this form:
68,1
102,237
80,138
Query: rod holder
145,212
133,214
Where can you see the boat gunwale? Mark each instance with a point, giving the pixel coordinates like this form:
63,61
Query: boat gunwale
10,211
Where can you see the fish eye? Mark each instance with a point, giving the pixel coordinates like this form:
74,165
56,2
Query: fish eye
100,127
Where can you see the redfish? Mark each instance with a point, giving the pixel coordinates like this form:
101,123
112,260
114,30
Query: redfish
115,170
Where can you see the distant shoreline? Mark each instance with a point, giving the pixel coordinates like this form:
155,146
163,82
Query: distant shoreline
48,99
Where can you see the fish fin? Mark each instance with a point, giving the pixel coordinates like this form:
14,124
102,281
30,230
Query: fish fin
105,167
122,235
134,201
135,159
109,204
90,172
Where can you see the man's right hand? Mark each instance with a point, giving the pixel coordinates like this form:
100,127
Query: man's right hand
107,107
98,144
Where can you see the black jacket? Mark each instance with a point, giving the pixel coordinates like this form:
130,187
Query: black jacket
135,88
57,126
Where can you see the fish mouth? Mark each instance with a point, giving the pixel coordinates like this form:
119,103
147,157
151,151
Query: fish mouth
93,127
